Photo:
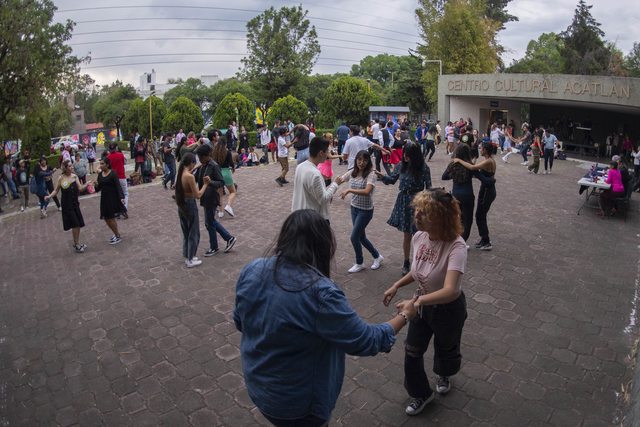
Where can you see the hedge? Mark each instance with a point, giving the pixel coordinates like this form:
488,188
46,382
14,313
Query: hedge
53,161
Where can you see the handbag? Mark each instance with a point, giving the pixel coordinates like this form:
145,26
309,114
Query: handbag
33,185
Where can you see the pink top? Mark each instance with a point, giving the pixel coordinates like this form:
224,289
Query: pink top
615,179
432,260
326,168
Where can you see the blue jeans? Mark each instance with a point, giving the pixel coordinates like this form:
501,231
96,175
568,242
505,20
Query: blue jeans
190,229
361,219
171,172
302,155
213,227
12,187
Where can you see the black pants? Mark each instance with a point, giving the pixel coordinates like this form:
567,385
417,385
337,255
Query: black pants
49,185
429,150
523,151
486,196
379,159
548,158
467,202
340,148
444,323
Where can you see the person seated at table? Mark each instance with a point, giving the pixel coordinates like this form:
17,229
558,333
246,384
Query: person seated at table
614,178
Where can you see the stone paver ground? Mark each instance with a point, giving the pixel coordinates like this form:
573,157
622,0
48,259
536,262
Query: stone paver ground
126,335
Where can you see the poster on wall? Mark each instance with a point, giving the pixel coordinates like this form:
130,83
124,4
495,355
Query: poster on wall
10,147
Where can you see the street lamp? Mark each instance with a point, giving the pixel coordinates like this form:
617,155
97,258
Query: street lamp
435,60
153,92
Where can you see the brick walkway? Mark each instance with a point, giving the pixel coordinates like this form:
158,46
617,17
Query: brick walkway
126,335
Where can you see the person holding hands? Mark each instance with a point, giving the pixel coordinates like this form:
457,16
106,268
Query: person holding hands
439,261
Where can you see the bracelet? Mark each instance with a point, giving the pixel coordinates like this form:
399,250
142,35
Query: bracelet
404,316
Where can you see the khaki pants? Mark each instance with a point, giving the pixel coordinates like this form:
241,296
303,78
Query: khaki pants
284,163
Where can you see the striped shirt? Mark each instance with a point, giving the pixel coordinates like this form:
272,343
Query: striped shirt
357,200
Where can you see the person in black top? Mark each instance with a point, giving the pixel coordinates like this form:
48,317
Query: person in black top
462,186
111,199
170,161
211,199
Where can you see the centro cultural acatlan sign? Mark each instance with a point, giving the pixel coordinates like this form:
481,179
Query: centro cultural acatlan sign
601,89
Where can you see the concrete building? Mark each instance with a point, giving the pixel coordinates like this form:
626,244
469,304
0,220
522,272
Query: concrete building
582,109
149,84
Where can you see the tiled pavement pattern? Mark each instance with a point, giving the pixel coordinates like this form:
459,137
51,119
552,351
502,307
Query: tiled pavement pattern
126,335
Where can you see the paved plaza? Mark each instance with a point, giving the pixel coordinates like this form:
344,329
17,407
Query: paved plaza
126,335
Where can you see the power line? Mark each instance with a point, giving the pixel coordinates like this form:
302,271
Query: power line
197,54
228,9
189,62
212,31
224,39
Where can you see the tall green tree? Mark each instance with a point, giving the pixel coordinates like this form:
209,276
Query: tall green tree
543,56
288,107
312,90
235,107
183,114
36,133
60,119
222,88
632,60
113,103
460,36
283,47
132,117
192,89
35,60
584,49
347,99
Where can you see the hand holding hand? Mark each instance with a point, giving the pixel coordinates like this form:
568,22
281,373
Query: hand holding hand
344,194
47,197
408,308
339,180
388,295
207,180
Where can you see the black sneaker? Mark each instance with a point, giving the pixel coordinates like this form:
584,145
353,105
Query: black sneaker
79,248
486,247
230,243
479,244
417,405
284,181
279,182
443,385
211,252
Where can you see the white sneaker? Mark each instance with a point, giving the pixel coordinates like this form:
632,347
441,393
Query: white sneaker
220,214
504,160
229,210
356,268
193,263
21,208
377,262
524,163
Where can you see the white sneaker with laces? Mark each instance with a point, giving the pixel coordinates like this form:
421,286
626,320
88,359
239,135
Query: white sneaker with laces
229,210
193,263
377,262
356,268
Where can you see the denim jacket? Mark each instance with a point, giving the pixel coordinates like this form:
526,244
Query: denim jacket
295,333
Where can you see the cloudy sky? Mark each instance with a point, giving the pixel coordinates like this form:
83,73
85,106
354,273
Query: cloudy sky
191,38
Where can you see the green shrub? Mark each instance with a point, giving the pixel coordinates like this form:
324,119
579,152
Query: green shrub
53,161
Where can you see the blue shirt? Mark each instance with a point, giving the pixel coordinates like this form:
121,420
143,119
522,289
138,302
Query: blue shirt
418,134
295,334
343,133
549,142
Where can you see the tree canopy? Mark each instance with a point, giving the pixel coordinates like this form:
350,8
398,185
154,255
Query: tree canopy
225,87
192,89
35,61
632,60
282,48
584,49
288,107
461,36
183,114
114,103
234,107
543,56
347,99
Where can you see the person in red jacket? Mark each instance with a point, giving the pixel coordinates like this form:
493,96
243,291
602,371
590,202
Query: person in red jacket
117,160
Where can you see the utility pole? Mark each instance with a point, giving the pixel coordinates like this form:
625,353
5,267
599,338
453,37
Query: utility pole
151,117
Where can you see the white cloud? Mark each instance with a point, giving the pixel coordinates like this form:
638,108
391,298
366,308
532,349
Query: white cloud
363,26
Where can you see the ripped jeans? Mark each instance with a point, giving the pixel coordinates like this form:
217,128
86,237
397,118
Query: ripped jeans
444,322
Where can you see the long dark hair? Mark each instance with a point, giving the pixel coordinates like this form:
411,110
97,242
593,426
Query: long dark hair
415,165
187,160
459,173
182,141
362,154
306,239
219,154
